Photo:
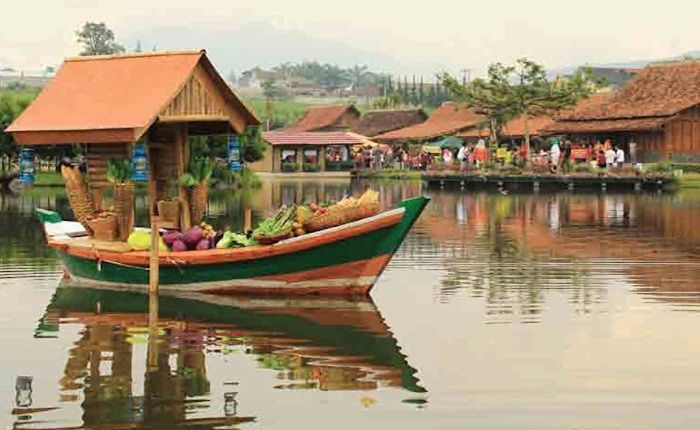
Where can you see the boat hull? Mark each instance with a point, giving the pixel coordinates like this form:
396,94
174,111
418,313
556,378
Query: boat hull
347,261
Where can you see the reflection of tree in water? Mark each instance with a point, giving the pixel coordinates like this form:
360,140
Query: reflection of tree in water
488,254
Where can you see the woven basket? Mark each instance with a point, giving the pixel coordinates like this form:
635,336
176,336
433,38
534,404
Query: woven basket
104,227
78,197
341,216
124,209
199,197
269,240
169,212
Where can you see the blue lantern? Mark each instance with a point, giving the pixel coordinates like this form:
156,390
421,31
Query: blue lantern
139,163
26,166
234,154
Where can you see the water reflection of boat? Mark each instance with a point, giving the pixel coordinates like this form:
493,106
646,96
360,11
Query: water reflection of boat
325,343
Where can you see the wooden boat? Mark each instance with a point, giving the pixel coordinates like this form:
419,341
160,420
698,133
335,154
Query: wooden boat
346,259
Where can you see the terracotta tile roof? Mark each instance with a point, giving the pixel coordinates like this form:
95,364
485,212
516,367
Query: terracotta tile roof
318,117
659,90
514,128
121,93
297,138
447,119
608,125
377,122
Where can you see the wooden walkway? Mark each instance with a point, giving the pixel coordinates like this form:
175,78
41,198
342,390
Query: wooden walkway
535,182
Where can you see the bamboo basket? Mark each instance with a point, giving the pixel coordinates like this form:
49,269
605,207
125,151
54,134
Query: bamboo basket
199,197
169,212
78,197
124,209
341,216
104,226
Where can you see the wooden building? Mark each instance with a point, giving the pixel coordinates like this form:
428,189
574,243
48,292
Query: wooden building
377,122
659,110
107,103
317,151
327,118
447,120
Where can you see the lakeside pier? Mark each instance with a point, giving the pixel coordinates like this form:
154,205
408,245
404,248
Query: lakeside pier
537,181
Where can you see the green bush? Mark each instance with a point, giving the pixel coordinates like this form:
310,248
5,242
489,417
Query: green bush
311,167
686,167
661,167
583,168
290,167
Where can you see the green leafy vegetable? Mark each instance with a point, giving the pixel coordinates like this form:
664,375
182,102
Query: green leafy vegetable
118,171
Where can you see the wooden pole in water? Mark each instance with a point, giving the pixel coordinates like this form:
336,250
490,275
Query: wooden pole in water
153,280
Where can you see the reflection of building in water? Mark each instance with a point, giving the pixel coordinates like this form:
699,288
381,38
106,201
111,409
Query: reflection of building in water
329,344
503,248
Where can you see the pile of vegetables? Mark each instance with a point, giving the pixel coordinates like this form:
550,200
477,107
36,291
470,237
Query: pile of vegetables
287,221
278,224
200,171
118,171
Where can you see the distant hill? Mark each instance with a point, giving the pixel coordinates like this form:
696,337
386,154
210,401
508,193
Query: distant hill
628,64
257,44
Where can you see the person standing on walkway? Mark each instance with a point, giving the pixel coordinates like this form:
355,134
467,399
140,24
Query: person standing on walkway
609,158
619,157
633,152
554,154
463,156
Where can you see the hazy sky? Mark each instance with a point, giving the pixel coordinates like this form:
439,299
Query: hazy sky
403,37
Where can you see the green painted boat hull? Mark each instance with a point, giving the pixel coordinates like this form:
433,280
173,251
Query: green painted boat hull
241,276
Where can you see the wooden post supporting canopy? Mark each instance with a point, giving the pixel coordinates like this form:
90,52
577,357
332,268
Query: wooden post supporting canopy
182,151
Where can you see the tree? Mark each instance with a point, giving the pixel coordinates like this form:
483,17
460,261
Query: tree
253,146
522,89
97,39
11,105
358,76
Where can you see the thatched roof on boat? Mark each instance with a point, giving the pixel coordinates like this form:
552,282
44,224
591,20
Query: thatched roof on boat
647,102
116,98
448,119
377,122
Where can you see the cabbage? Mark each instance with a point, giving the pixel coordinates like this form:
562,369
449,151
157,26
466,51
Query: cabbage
140,240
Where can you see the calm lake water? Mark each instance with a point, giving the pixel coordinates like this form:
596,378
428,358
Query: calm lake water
520,311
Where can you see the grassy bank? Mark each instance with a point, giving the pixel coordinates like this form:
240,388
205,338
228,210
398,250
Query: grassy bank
391,174
690,180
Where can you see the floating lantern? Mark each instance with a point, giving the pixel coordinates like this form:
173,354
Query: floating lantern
139,163
234,154
26,166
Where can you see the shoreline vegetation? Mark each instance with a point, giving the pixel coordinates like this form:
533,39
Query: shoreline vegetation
248,179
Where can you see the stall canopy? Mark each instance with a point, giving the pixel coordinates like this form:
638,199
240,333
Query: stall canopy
451,142
115,99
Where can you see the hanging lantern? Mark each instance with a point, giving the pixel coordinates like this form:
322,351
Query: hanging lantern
26,166
234,154
139,163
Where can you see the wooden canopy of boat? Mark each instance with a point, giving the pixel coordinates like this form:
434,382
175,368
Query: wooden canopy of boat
108,103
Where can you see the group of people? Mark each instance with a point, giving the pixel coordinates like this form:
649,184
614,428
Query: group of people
559,156
476,156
